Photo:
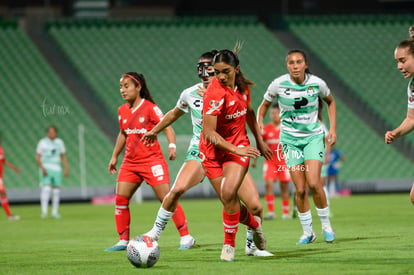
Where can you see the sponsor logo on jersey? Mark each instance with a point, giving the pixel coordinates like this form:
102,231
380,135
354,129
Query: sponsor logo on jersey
287,91
135,131
157,170
215,103
237,114
158,112
231,103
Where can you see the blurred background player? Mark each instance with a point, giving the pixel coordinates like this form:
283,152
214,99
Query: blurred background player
336,158
302,137
141,163
225,148
404,55
275,168
50,155
3,196
191,172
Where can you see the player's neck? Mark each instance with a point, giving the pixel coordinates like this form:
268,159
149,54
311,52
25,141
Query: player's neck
135,103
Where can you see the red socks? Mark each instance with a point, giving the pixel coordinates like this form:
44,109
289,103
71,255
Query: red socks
122,217
180,221
247,218
230,226
285,207
5,204
270,202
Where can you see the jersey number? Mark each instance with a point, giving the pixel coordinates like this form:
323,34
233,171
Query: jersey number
299,102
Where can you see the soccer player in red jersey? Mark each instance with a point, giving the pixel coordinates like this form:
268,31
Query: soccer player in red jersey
225,148
141,163
3,197
275,168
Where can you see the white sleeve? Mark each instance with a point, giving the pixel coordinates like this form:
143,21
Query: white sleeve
182,103
271,92
324,91
410,94
39,147
62,147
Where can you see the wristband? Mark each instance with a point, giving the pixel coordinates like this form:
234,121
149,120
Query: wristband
172,145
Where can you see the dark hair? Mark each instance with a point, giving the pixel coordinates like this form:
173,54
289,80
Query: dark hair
304,57
144,93
209,55
230,58
51,127
408,43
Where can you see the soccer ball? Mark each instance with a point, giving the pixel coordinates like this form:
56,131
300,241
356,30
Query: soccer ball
143,252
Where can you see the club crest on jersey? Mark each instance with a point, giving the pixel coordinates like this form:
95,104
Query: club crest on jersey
214,103
245,97
141,119
310,91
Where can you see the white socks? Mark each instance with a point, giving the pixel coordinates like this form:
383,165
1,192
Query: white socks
324,217
44,198
306,221
163,216
55,201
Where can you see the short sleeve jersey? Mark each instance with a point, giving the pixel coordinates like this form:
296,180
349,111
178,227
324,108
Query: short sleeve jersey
230,107
191,100
50,153
410,93
271,135
135,123
298,104
2,158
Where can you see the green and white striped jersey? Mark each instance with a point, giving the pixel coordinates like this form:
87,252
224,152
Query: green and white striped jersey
298,104
50,152
191,100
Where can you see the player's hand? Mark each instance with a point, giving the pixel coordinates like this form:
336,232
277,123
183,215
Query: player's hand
389,137
17,170
66,173
265,150
247,151
149,138
172,153
332,137
112,166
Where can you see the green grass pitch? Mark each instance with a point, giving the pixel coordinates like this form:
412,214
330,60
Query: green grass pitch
374,236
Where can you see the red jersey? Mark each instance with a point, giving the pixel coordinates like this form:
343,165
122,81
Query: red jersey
230,107
135,123
271,135
2,158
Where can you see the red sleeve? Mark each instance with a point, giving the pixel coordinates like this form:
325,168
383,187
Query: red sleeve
213,100
120,117
156,114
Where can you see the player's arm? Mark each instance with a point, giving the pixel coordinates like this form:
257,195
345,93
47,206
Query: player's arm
119,146
169,132
39,162
210,134
11,166
332,118
65,164
172,115
261,112
254,127
405,127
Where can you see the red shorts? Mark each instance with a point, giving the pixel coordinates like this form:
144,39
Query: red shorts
154,173
2,187
214,168
273,171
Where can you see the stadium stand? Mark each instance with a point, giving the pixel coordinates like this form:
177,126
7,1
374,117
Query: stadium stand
33,97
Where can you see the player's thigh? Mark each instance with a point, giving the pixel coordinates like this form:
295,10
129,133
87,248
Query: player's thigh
190,174
2,187
233,174
313,172
126,189
161,190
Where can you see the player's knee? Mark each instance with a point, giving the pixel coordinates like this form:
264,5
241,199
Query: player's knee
228,195
176,192
300,194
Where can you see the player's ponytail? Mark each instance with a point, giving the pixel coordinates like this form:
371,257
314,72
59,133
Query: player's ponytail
139,79
231,58
408,43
